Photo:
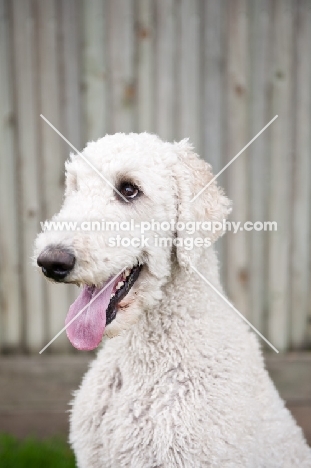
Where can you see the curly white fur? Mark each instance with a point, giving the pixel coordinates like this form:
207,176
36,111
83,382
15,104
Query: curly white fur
182,382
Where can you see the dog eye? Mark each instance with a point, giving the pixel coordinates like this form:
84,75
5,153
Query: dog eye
129,190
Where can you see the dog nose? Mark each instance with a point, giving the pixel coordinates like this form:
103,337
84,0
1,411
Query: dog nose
56,263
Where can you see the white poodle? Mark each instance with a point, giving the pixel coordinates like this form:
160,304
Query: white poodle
182,382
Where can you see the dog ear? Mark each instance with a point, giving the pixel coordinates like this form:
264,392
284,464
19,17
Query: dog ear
211,206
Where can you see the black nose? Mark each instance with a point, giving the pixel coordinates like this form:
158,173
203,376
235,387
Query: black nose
56,262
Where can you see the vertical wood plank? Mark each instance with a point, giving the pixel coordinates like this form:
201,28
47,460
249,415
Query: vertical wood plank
280,184
122,86
145,65
213,114
26,74
70,58
165,66
10,304
94,69
214,56
190,72
238,137
300,253
260,84
51,156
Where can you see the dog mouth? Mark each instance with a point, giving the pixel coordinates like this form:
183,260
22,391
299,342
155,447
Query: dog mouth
129,276
95,308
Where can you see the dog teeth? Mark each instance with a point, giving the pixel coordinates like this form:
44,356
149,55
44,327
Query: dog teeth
127,272
120,284
112,295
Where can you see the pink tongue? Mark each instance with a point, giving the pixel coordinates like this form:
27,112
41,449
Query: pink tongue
87,329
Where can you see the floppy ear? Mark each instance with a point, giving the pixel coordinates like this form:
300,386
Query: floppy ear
192,175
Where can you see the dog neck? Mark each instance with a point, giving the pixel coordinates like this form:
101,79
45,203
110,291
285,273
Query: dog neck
173,307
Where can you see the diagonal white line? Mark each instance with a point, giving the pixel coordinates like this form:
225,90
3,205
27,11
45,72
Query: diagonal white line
82,310
83,157
235,310
233,159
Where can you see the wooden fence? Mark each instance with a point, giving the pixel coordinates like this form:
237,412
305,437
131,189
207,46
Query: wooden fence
213,70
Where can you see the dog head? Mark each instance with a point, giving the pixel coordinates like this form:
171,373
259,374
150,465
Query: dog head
119,232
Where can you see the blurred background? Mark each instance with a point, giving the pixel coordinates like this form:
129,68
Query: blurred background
216,71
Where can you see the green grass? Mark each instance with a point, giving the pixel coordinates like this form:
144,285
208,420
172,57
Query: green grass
34,453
